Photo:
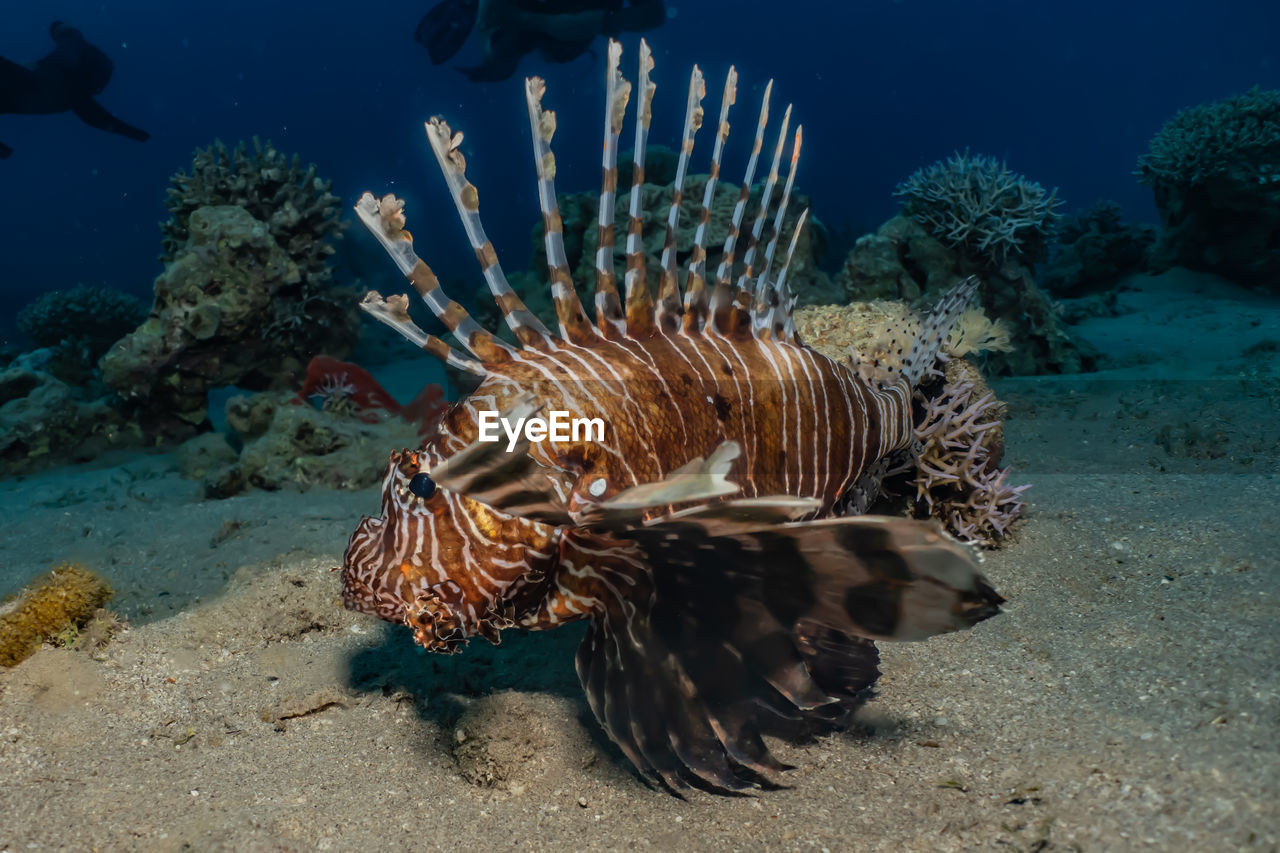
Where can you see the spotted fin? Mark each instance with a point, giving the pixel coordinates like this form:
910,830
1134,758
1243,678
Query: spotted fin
757,628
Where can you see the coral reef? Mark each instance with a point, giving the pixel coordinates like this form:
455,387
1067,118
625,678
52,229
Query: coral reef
901,260
340,442
286,445
977,206
1096,248
1215,172
955,475
68,597
87,318
230,309
46,422
958,478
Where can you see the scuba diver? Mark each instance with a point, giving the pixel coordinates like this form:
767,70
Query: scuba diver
560,30
66,79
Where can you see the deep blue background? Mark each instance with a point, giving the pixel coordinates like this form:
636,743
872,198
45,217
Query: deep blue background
1068,93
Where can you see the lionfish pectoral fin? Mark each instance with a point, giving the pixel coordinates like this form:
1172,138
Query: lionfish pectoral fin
509,480
876,577
683,716
688,680
697,480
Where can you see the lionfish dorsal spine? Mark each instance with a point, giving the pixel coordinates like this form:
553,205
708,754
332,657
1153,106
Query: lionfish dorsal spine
527,328
639,307
574,325
766,297
385,219
695,294
609,318
723,313
394,312
766,196
781,321
670,306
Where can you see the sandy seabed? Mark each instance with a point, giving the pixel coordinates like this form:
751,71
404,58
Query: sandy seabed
1128,698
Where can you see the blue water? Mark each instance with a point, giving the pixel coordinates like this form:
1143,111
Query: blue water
1068,93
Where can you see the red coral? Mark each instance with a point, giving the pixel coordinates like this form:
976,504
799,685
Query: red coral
344,386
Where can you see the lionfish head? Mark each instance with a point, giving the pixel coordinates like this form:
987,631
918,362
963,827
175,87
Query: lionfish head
439,562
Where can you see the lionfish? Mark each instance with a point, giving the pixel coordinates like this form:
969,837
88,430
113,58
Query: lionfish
703,539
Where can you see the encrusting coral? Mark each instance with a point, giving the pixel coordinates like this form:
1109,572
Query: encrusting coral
68,597
246,297
977,205
339,443
1215,172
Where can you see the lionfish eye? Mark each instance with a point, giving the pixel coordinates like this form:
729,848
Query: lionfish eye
422,486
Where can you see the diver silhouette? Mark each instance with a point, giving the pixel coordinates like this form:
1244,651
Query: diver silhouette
560,30
66,79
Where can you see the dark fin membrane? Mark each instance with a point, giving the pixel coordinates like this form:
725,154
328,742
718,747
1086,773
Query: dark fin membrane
757,628
444,29
689,686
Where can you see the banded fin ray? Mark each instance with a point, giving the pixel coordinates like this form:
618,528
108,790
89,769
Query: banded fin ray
445,144
641,322
695,294
670,305
763,629
609,318
385,219
574,325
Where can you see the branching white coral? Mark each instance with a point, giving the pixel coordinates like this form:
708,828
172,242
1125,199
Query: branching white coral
977,204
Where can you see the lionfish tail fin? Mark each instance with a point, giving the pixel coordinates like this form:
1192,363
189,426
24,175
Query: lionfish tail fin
935,329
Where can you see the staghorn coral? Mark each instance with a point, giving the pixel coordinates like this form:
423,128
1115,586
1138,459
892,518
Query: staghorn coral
957,475
976,205
1214,170
68,597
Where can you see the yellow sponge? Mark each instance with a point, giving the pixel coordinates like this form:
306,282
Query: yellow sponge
68,596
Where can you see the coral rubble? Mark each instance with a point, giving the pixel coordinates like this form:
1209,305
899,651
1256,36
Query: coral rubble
1215,172
67,598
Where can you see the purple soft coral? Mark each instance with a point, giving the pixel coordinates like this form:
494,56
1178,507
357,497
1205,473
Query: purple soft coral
959,480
